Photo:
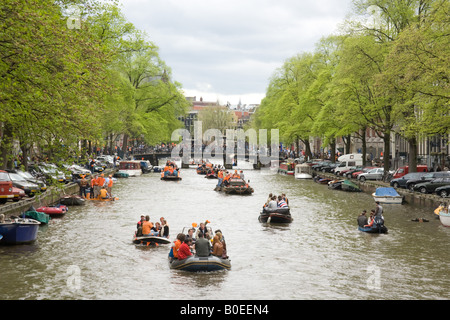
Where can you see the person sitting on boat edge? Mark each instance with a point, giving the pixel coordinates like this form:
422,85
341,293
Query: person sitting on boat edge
218,232
202,246
370,221
362,219
139,226
185,250
104,193
217,247
147,227
281,203
191,234
273,203
164,232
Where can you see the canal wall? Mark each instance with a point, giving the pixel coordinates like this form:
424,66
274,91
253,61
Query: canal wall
410,197
48,198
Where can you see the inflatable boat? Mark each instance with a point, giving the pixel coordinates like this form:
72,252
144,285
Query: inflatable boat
147,240
198,264
377,229
58,210
278,215
236,186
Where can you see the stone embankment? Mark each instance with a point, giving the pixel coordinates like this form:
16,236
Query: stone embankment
48,198
410,197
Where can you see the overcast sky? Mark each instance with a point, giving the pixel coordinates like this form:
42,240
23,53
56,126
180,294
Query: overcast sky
228,50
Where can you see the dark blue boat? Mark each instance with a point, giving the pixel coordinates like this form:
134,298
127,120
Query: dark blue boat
377,229
18,231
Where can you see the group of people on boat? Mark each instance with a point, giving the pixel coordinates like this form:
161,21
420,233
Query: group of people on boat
375,218
199,243
170,169
147,228
99,187
274,202
224,177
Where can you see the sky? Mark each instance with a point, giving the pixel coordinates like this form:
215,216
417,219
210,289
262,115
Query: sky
227,51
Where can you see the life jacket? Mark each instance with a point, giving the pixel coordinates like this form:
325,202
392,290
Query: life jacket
110,183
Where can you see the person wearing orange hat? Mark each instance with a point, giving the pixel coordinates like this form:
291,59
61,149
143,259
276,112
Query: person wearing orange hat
83,186
100,184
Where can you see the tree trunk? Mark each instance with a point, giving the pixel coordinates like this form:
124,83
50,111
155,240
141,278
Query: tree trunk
364,146
6,146
386,153
333,150
412,160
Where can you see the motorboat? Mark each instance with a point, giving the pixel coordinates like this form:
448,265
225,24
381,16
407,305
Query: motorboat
132,167
286,168
146,166
278,215
170,177
18,230
303,171
236,186
387,195
348,185
148,240
377,229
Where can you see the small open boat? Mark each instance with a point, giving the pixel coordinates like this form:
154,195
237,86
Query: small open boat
347,185
303,171
197,264
72,200
278,215
18,231
171,177
54,211
147,240
31,213
236,186
377,229
387,195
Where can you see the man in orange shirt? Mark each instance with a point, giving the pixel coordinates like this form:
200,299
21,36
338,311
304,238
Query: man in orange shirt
93,187
147,226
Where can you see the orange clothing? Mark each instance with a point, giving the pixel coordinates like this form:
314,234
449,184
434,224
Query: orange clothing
176,247
220,175
94,182
110,183
146,227
100,181
103,194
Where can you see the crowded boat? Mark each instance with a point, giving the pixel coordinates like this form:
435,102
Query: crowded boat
232,183
374,223
199,249
170,171
276,210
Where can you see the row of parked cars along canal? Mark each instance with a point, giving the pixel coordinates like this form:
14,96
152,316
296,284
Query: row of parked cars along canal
422,181
15,184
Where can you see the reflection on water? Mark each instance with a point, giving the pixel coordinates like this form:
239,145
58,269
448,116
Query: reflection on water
320,255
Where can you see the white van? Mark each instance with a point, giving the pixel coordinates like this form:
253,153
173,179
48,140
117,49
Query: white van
347,161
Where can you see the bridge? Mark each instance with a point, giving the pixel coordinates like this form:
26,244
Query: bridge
154,157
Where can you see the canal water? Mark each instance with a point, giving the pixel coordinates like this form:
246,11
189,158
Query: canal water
89,254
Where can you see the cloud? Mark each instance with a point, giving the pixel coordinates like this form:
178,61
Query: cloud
231,48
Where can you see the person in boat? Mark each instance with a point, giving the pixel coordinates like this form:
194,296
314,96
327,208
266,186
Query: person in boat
362,219
202,246
283,195
173,254
185,249
220,178
273,203
281,203
226,180
217,247
147,227
268,200
157,228
371,219
139,226
202,229
104,193
222,239
191,234
236,175
241,174
379,213
100,183
164,232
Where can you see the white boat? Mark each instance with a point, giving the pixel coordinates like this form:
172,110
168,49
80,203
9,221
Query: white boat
133,168
303,171
387,195
444,215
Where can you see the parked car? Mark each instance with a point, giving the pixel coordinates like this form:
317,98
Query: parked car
431,186
366,169
19,194
425,178
320,165
443,191
76,171
6,187
349,173
20,182
49,171
372,174
330,167
401,182
29,177
405,170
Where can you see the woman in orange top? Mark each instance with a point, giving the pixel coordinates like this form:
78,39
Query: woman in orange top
177,244
147,226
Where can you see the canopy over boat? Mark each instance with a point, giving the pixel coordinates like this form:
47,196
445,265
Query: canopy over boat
386,192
